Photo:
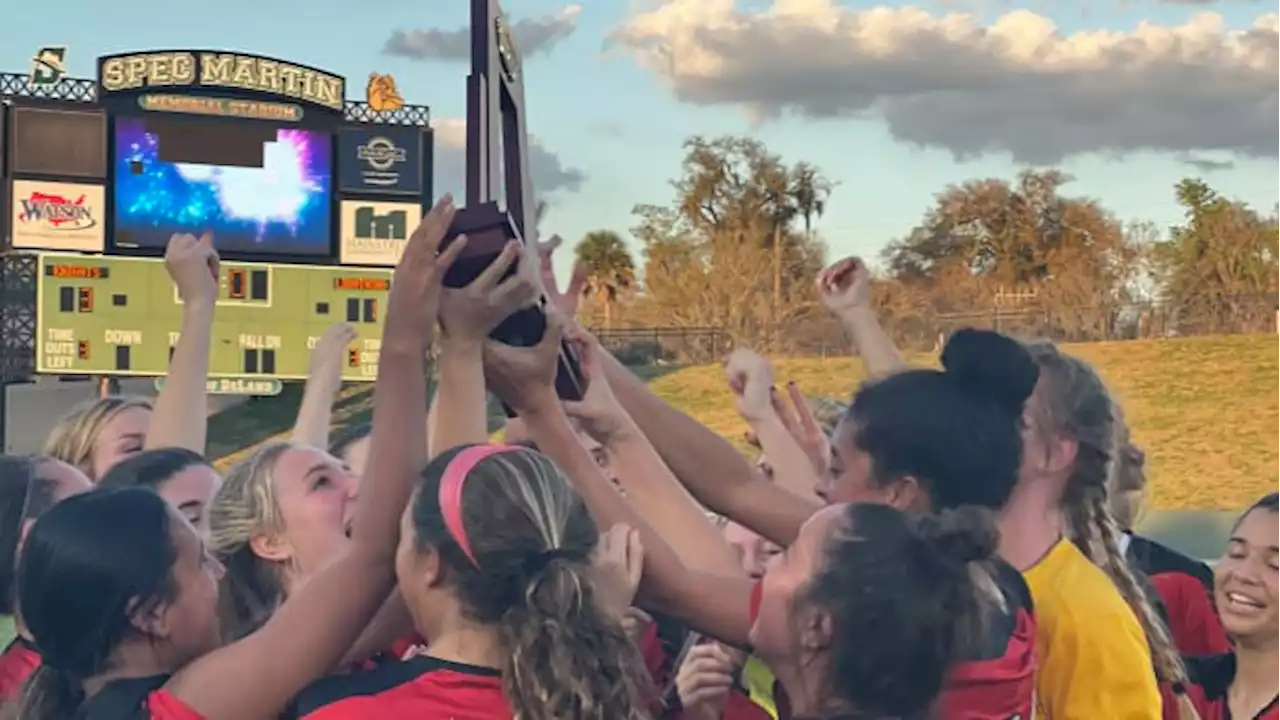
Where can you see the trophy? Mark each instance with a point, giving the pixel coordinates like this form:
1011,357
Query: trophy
496,134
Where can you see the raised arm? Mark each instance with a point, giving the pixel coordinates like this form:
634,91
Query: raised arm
310,632
713,471
750,377
566,302
181,415
467,316
650,487
324,380
713,604
845,287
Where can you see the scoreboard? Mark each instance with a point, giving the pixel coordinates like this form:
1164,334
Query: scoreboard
112,315
310,198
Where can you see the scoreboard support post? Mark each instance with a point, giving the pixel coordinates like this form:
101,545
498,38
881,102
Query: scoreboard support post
17,327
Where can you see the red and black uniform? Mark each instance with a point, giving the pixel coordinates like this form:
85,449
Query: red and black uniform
998,681
661,647
17,663
422,687
136,699
1211,677
1185,590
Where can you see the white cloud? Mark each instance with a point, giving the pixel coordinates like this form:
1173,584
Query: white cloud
549,173
533,36
1018,86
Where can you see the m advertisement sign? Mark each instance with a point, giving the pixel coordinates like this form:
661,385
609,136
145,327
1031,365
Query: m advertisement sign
57,216
374,233
382,160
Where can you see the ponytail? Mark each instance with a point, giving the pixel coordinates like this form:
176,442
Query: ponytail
568,657
48,694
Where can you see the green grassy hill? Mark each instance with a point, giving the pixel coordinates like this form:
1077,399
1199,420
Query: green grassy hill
1205,409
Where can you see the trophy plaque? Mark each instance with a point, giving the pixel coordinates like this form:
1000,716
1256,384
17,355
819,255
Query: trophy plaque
499,204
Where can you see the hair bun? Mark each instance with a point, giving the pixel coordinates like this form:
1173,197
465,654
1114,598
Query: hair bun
992,364
960,536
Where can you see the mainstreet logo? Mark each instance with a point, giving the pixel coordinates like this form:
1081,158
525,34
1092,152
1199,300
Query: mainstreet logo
56,213
374,233
381,155
373,229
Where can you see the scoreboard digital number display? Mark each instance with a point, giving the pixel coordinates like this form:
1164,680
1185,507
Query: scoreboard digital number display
122,316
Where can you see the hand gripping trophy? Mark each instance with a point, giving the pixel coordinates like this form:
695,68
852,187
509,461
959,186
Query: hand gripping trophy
496,134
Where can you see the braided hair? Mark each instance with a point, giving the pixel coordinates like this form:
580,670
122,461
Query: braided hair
1077,404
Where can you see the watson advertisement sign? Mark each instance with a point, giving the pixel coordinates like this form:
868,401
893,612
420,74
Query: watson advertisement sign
57,216
381,160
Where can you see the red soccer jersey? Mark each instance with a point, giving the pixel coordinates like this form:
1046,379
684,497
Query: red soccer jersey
17,663
136,699
1211,677
998,683
423,687
656,657
1193,620
1185,587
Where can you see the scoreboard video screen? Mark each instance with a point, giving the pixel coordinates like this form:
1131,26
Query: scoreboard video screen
260,190
102,315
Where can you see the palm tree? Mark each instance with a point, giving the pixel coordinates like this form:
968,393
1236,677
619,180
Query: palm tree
809,194
609,268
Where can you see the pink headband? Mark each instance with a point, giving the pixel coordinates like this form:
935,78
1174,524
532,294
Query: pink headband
455,474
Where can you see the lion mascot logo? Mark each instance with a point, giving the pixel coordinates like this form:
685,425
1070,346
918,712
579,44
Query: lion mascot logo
382,94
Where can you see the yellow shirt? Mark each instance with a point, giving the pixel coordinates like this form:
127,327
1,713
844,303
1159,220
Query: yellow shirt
759,685
1093,659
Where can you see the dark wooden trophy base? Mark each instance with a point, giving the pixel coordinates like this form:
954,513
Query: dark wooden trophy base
488,229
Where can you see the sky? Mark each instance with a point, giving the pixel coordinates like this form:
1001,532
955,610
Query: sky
892,102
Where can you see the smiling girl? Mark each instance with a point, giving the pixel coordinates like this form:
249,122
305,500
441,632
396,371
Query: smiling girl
1241,684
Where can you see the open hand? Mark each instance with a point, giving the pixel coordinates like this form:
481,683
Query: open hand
598,412
525,376
845,285
472,312
619,562
328,356
568,301
193,264
750,377
798,418
414,301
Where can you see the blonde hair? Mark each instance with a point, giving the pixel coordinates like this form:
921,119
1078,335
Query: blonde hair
245,506
76,434
1077,404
